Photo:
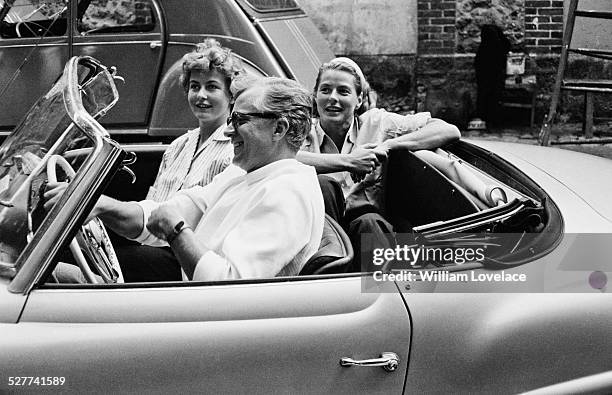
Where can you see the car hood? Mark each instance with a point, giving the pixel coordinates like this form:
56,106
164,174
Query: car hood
586,176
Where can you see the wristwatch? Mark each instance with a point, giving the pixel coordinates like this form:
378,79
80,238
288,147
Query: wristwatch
178,228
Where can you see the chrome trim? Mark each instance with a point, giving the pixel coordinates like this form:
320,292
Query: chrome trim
480,223
280,18
126,131
388,361
188,44
231,38
82,43
35,45
250,63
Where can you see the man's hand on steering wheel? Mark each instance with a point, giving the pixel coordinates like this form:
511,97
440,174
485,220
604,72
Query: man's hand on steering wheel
53,192
92,240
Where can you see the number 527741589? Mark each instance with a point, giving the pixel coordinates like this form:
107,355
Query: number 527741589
36,380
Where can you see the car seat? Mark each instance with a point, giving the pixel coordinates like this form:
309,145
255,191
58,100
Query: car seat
335,252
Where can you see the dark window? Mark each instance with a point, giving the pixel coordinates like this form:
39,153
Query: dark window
33,18
111,16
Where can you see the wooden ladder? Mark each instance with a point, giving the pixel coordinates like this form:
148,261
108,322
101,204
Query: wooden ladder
589,87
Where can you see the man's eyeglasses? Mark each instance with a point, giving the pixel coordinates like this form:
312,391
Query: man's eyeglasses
237,118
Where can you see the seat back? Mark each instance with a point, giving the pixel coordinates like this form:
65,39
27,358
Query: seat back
335,252
416,193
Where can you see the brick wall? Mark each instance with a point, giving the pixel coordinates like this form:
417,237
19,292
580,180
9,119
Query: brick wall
543,26
449,33
142,12
436,26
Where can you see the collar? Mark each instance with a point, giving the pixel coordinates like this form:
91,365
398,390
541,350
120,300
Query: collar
219,134
320,133
265,171
324,143
350,138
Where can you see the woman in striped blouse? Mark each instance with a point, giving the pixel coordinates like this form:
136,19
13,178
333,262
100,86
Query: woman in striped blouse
200,154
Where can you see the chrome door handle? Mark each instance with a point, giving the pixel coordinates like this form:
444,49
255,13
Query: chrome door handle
388,361
155,44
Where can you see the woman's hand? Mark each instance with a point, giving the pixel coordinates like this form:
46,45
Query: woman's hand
367,158
384,147
53,192
364,159
163,220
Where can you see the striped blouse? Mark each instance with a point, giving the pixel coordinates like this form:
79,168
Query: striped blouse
182,167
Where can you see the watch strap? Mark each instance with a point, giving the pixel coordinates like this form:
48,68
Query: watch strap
178,228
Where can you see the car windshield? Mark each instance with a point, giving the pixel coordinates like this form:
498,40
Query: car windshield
56,125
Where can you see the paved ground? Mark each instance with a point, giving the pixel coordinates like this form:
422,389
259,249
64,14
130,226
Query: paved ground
565,133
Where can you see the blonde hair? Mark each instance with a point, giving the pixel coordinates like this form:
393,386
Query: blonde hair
210,55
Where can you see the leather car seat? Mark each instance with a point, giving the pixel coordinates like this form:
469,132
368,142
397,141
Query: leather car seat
335,252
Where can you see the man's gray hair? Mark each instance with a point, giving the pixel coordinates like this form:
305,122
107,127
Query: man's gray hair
291,101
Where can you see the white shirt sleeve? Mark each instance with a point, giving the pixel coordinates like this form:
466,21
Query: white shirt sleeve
268,237
379,125
191,203
189,206
146,237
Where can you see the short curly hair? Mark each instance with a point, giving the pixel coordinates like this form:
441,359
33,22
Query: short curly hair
210,55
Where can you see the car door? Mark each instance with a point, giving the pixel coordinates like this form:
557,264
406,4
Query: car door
127,35
244,337
33,51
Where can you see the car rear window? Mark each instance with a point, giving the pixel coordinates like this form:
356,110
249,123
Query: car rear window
32,18
273,5
110,16
37,18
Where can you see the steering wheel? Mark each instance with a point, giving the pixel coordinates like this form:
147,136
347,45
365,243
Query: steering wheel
91,240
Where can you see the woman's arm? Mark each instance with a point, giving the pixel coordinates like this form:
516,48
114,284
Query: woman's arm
360,161
435,133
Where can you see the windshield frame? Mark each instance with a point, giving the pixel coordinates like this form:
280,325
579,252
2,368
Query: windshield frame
84,190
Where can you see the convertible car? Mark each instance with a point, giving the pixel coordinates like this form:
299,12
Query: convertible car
528,312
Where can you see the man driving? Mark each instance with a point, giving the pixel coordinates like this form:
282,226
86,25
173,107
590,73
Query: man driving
261,217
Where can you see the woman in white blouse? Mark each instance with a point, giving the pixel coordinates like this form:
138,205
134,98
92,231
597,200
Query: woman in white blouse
349,141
